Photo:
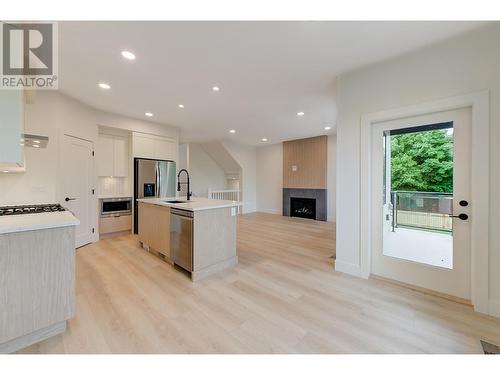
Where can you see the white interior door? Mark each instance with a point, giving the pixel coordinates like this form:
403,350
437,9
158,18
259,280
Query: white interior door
77,184
410,254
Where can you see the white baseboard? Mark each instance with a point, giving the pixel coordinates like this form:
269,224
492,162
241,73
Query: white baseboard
269,211
494,309
349,268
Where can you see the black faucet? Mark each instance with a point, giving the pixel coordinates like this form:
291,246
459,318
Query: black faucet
179,183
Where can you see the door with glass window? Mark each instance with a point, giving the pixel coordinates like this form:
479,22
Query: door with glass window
421,201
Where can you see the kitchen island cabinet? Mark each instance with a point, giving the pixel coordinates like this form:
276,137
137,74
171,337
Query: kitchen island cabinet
212,235
154,229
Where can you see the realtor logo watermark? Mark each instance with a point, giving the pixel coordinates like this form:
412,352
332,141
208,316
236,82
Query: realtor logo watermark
29,55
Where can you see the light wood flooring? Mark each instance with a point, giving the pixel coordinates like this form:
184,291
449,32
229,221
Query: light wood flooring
283,297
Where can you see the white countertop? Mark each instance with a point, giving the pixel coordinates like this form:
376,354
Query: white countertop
44,220
195,204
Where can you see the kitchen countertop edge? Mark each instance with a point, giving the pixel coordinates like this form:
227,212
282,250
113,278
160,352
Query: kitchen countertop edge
38,221
201,203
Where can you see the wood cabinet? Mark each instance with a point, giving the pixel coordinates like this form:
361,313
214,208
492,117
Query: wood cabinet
114,224
154,227
154,147
37,285
112,156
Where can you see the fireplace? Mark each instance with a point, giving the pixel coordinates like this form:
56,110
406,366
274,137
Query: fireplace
308,199
303,207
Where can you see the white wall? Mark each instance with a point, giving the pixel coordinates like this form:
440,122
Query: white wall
462,65
270,179
331,165
183,156
39,183
246,157
204,172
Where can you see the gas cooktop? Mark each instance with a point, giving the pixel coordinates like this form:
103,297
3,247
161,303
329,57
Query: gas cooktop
30,209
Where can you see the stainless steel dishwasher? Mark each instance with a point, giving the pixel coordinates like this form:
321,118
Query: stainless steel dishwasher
181,238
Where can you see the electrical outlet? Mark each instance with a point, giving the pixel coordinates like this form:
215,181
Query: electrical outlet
294,168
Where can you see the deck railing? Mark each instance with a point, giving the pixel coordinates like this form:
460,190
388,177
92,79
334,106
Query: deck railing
422,210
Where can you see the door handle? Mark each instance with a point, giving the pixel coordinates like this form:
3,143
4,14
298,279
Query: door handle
460,216
69,199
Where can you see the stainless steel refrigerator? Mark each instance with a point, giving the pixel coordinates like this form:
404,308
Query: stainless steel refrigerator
152,178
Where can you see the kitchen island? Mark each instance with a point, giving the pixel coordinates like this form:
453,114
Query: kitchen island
198,235
37,276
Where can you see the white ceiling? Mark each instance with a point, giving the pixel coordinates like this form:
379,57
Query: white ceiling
267,71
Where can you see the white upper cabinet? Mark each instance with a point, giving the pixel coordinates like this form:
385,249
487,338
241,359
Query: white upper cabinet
11,127
112,156
154,147
142,147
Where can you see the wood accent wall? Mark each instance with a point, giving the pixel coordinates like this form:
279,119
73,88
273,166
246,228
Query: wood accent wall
308,157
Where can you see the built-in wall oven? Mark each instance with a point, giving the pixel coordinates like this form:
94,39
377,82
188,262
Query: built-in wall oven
116,206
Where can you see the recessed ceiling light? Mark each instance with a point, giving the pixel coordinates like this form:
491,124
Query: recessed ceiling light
149,114
215,88
300,113
104,86
5,171
181,105
232,131
36,141
328,127
36,146
128,55
264,139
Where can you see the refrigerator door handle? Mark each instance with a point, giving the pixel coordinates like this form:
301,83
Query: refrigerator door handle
157,185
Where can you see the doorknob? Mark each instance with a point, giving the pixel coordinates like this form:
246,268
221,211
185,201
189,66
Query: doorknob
460,216
69,199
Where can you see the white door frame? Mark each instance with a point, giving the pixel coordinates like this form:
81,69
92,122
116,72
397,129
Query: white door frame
479,102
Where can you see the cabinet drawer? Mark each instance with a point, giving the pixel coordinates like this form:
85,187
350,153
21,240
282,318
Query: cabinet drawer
115,224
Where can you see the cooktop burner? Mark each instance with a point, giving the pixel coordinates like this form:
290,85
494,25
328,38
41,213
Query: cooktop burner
30,209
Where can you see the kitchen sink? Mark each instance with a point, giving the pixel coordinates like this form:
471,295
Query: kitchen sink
174,201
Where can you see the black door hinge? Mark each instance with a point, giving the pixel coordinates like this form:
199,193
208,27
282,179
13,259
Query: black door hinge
93,230
93,153
93,191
